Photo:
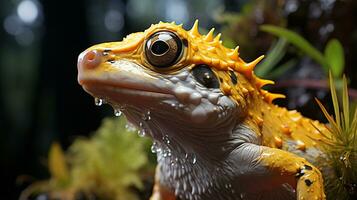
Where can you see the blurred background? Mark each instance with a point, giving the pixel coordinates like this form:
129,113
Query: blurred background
41,101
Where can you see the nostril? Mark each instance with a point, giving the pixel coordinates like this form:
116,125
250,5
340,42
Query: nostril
91,55
89,59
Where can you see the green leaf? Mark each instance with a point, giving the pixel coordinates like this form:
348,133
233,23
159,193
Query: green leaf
299,42
335,102
274,55
282,69
334,56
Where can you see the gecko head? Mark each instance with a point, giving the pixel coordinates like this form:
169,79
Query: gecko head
167,78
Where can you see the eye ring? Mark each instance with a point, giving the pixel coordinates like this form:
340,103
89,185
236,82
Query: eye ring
163,49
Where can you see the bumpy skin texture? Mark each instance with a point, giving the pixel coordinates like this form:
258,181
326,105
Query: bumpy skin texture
228,142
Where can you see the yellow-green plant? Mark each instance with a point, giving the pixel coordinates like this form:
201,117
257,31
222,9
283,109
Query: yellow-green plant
341,147
109,165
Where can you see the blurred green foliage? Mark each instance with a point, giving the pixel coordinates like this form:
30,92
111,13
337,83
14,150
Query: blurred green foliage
108,165
316,27
332,59
57,165
242,28
274,56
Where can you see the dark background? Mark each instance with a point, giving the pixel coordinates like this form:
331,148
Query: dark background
41,101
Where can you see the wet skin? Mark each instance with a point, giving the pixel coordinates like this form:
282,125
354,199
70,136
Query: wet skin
216,133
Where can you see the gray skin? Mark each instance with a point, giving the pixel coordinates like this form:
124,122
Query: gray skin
203,150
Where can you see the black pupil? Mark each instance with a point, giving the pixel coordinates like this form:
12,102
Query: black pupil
159,47
205,76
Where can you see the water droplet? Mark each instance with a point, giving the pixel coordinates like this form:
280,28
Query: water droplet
98,101
117,112
194,160
147,116
166,152
166,139
174,161
130,127
141,132
154,147
242,195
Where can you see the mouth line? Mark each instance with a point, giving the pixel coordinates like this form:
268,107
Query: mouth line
88,85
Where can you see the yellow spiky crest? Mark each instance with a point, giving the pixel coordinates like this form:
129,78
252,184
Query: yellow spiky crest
207,49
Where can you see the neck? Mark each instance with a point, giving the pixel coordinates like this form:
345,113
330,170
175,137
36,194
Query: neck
281,128
197,165
192,175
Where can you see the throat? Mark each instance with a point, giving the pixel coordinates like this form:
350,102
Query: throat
193,161
191,176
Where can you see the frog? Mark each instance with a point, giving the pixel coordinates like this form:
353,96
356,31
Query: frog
215,129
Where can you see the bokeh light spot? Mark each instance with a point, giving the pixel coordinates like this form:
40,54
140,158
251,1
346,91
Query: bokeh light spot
13,25
27,11
113,21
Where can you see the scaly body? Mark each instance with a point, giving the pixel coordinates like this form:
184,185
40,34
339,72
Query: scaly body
216,133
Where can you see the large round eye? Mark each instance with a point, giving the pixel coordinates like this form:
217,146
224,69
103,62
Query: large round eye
163,49
204,75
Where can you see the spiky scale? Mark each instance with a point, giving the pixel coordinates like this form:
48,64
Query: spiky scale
234,54
262,82
217,38
270,97
194,30
209,36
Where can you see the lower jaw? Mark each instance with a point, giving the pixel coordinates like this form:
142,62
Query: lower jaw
123,96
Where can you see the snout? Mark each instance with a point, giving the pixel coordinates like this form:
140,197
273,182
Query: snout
88,60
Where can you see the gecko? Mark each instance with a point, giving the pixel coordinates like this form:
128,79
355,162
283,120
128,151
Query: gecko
215,130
